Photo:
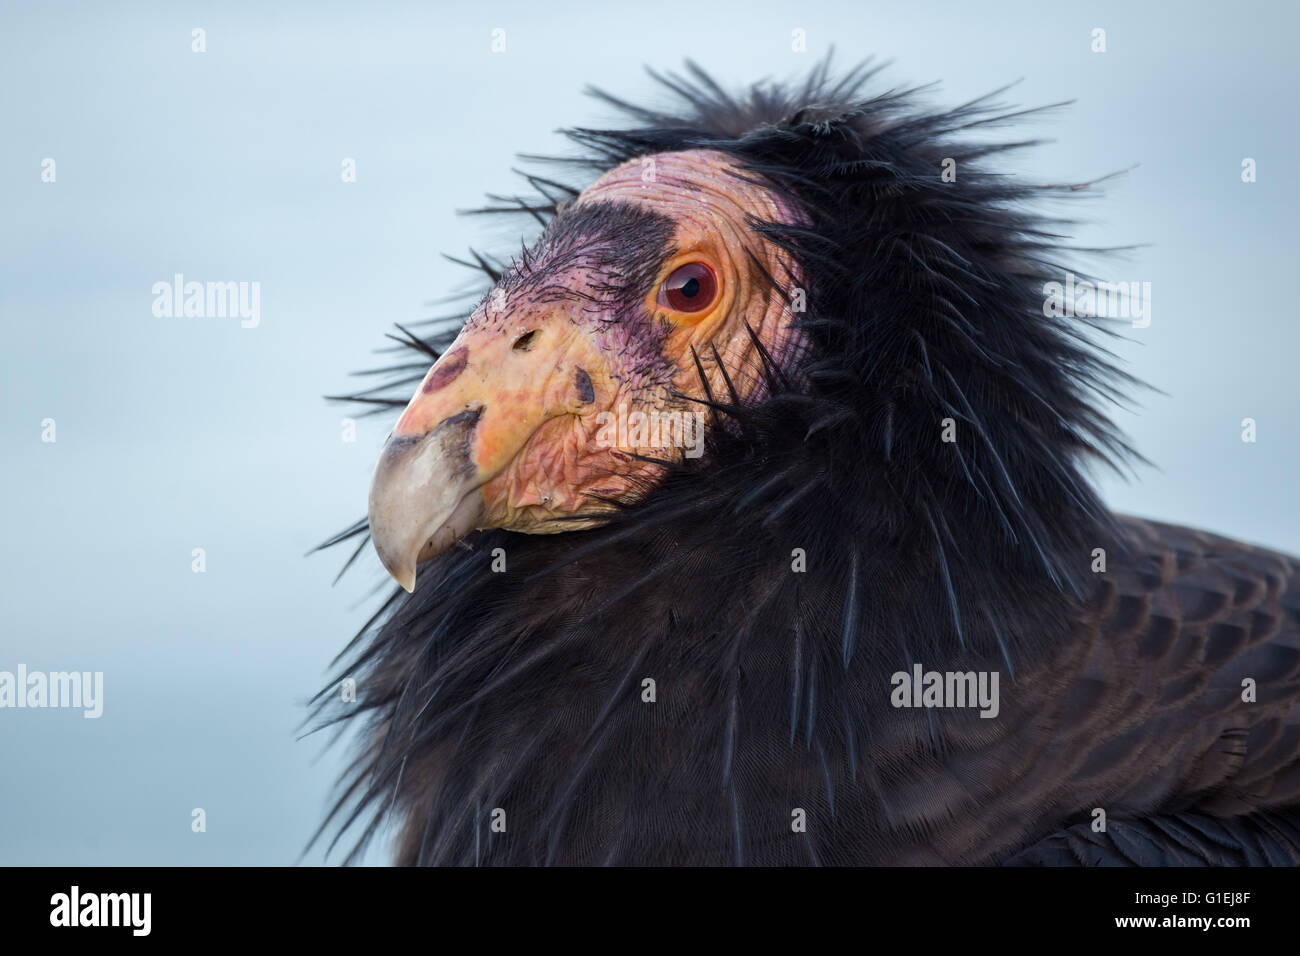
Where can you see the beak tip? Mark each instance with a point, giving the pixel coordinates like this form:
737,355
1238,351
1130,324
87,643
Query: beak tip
404,576
399,569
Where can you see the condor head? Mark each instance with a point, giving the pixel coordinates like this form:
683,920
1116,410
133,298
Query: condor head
578,376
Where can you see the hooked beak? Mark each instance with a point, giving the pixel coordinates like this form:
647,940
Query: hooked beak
476,409
423,495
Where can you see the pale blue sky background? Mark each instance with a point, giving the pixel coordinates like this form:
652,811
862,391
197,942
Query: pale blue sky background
183,433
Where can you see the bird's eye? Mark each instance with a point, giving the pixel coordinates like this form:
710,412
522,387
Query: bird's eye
691,288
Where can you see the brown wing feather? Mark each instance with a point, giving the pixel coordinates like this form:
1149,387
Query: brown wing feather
1153,722
1141,714
1207,616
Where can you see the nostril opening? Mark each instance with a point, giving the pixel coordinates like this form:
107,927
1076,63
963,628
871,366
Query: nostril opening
525,341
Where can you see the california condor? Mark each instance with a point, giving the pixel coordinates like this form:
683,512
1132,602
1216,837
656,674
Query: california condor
628,642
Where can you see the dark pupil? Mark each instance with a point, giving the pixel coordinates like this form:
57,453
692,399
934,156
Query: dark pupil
691,288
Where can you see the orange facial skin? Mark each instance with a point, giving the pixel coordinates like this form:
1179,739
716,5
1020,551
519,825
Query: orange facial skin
577,341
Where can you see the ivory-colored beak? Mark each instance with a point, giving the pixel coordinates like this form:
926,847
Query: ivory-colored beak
423,495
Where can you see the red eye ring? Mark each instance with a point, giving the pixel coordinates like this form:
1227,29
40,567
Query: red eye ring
691,288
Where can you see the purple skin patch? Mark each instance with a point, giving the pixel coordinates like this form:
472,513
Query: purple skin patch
445,372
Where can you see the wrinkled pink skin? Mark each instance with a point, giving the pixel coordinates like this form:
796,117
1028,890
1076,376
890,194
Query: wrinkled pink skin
541,449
